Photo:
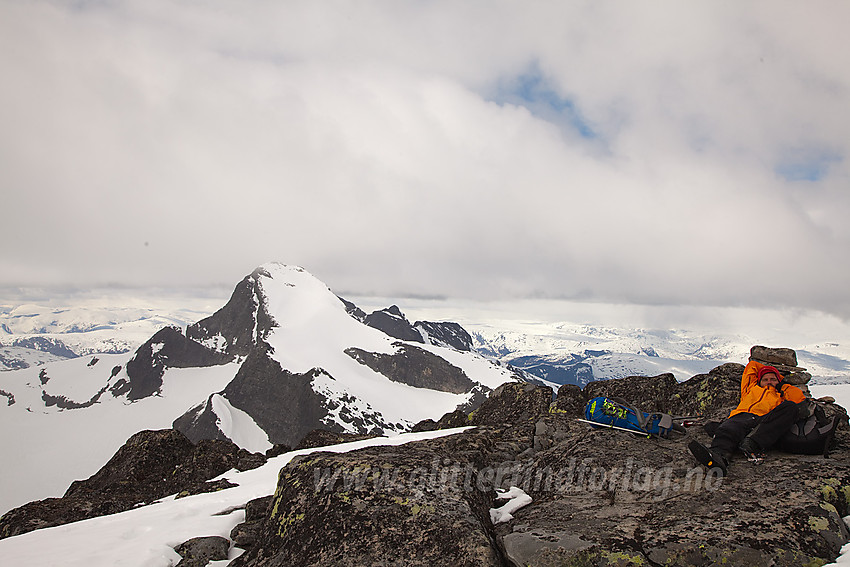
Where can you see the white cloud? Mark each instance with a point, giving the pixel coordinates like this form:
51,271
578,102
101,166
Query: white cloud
700,154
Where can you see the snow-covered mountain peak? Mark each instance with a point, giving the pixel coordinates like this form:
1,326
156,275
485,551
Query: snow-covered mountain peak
283,356
293,297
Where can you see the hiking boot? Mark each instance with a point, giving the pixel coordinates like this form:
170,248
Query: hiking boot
752,451
711,459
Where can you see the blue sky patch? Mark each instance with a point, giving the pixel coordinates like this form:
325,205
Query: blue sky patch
535,92
806,164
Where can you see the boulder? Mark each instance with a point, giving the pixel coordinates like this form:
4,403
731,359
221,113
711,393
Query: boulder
199,551
514,403
785,361
654,392
774,356
570,400
415,504
246,534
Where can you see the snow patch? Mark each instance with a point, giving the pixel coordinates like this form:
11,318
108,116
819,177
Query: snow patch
516,499
239,427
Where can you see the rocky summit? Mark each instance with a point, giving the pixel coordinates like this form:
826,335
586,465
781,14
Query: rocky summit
598,497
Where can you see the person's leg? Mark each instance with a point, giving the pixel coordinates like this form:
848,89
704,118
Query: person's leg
730,433
774,425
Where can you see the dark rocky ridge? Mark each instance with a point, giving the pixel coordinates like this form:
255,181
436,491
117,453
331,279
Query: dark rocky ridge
284,404
241,324
415,367
393,322
149,466
167,348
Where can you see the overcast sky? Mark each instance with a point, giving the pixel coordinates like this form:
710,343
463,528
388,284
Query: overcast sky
648,152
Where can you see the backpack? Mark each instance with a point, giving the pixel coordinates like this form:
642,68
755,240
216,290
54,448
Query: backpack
814,434
617,413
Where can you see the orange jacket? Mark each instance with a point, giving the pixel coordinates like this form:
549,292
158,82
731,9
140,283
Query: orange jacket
758,400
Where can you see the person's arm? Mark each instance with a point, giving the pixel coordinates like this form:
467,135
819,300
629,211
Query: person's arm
793,393
750,377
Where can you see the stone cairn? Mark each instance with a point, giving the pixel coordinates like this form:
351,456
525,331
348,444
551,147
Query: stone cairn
784,360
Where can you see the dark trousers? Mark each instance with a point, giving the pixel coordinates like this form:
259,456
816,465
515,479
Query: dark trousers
765,430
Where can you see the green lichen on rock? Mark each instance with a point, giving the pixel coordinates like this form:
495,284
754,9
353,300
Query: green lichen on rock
818,523
286,521
415,507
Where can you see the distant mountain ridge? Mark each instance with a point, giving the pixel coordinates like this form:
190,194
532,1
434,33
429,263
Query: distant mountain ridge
577,354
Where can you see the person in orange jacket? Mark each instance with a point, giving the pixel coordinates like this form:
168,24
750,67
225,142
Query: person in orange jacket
768,408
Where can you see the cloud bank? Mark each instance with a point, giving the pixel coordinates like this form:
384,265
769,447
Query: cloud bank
672,153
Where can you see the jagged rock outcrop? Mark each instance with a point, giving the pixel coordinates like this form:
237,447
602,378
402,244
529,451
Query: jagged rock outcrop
282,403
599,497
445,334
393,322
387,506
149,466
415,367
167,348
242,323
514,403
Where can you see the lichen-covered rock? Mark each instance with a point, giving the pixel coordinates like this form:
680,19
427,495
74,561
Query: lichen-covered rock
604,497
199,551
513,402
424,425
711,396
570,400
422,503
246,534
654,393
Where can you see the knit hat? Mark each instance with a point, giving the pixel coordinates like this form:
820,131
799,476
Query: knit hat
768,370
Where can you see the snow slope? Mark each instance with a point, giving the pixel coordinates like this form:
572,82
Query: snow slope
50,447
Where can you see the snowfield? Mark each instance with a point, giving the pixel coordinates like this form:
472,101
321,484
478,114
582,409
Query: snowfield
53,447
